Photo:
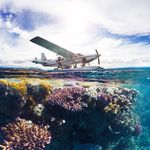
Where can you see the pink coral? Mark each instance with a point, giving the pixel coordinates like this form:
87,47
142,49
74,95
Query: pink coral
138,128
24,135
105,98
68,98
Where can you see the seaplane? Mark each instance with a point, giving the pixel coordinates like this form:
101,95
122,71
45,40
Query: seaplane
66,59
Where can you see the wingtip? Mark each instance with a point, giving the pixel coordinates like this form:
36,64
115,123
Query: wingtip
36,37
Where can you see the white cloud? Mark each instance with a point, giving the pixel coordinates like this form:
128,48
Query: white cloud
78,29
121,16
21,33
125,55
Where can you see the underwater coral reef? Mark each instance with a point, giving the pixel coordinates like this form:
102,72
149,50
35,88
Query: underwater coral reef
23,134
66,115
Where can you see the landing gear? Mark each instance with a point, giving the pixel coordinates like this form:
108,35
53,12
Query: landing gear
75,66
60,59
83,61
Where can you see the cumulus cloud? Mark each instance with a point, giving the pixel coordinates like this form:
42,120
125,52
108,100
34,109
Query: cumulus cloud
21,21
119,30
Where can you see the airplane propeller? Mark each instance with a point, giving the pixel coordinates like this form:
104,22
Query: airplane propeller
98,56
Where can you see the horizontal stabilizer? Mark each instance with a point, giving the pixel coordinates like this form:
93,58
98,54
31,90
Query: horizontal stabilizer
52,47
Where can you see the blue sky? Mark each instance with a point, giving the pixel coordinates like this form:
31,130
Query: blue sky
120,30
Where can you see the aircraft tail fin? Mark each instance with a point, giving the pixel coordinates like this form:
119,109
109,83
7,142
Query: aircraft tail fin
43,57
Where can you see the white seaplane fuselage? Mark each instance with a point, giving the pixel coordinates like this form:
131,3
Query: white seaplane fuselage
66,62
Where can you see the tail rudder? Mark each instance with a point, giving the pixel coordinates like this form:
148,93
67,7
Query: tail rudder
43,57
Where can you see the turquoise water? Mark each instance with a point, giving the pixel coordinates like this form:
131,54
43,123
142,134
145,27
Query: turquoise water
139,79
134,78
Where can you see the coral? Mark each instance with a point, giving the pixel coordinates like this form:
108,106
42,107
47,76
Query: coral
38,92
45,88
117,104
67,98
137,128
14,95
38,110
20,86
70,83
24,135
4,82
78,113
118,100
86,84
3,87
113,107
11,99
92,92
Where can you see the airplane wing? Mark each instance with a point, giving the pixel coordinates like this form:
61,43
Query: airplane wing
52,47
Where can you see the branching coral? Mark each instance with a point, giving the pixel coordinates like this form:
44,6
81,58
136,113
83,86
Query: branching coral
113,107
118,100
68,98
117,104
24,135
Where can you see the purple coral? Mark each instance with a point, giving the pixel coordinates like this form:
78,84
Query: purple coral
23,134
104,98
119,98
137,128
68,98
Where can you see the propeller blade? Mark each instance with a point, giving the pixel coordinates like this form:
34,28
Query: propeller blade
96,51
98,56
98,61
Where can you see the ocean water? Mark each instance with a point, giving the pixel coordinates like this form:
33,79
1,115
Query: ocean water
139,79
132,78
